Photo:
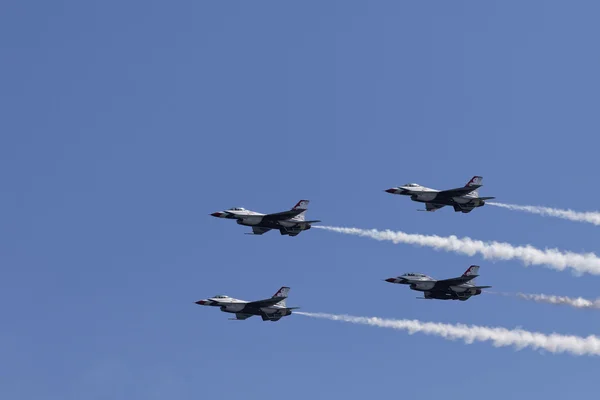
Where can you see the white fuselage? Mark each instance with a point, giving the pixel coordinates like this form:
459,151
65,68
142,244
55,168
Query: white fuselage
246,217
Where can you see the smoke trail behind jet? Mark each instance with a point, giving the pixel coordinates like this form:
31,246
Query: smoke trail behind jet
591,217
576,302
528,255
500,337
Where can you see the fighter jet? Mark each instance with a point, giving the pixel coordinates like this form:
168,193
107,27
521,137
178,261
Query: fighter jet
272,309
290,222
461,288
463,199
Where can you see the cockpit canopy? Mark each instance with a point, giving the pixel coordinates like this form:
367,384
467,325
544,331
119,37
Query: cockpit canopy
415,275
220,296
237,209
411,185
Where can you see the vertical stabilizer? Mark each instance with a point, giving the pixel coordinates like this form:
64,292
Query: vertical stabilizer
475,181
473,270
283,292
302,205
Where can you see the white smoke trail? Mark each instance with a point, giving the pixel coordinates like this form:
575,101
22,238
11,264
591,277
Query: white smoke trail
592,217
500,337
529,255
576,302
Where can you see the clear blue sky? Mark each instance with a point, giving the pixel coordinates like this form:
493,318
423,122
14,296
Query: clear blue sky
125,124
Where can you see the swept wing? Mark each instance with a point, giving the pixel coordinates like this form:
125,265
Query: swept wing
282,216
471,186
265,303
454,281
458,191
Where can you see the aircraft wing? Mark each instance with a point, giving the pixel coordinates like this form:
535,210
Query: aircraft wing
458,191
455,281
265,303
282,216
257,230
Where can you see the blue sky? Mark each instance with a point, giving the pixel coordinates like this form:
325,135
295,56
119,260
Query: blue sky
125,124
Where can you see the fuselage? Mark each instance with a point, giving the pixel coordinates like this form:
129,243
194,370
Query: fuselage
230,305
289,226
424,194
431,289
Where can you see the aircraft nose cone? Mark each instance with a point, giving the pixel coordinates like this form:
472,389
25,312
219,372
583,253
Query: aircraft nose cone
216,214
392,190
201,302
391,280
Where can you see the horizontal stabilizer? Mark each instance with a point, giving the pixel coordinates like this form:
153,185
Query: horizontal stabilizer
486,198
481,287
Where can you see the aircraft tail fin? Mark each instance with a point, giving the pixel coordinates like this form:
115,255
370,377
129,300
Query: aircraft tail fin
301,205
473,271
475,184
283,294
475,181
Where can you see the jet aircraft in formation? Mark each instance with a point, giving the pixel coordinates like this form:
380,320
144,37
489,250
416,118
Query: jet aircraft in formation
460,288
290,222
272,309
463,199
293,222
